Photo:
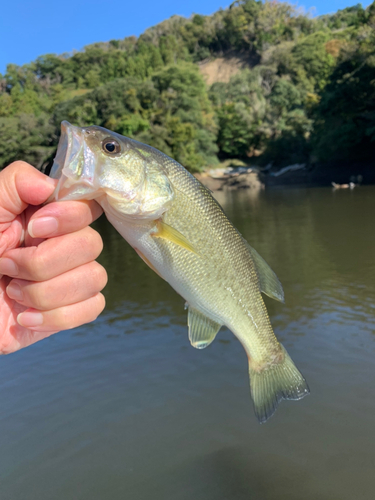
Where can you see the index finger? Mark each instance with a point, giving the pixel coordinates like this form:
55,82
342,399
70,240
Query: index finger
22,185
63,217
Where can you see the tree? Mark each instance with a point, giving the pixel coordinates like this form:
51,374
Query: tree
171,112
345,117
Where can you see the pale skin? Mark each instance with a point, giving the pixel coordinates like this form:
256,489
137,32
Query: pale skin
50,280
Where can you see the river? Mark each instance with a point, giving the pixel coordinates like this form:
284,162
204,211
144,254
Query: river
125,408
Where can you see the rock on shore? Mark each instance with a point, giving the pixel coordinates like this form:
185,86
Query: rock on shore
220,180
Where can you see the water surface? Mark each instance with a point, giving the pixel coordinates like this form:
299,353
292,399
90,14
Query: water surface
125,408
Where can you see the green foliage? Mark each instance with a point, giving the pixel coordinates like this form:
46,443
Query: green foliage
171,112
26,137
345,117
316,63
307,92
260,111
351,16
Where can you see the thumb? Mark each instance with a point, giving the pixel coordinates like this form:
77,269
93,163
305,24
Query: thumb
22,185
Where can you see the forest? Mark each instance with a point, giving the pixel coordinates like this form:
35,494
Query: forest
304,92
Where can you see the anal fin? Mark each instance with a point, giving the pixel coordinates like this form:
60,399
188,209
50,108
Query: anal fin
202,330
269,282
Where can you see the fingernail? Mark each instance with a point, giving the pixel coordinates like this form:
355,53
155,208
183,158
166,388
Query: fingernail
8,267
14,291
44,226
51,181
30,319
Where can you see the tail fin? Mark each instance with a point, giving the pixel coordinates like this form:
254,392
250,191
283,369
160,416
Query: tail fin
274,383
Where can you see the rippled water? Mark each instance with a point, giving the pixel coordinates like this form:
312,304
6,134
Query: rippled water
126,409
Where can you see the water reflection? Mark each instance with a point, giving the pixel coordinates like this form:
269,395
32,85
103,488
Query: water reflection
322,249
124,408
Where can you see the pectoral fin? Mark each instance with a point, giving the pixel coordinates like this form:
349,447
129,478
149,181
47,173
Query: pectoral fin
167,232
202,330
269,282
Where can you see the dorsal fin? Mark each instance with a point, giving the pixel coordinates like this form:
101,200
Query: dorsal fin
269,282
202,330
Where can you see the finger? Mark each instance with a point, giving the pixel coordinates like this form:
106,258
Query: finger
53,256
22,185
63,318
62,217
13,236
68,288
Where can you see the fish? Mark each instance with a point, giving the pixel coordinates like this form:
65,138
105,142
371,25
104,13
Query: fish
176,226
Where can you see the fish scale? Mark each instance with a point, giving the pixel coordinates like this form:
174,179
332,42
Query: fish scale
235,279
181,232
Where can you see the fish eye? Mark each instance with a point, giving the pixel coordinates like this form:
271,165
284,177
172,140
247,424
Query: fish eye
111,146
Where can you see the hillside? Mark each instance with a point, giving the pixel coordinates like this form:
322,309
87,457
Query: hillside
257,81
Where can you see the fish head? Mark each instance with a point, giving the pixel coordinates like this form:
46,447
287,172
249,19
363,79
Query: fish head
122,174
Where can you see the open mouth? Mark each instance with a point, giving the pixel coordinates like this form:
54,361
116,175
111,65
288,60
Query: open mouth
69,165
67,150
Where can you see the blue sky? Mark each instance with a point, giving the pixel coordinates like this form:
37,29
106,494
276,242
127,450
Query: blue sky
29,28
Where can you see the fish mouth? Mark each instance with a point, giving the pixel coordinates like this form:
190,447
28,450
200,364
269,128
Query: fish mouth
69,146
69,166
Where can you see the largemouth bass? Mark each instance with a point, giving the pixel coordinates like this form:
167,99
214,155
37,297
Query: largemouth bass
176,226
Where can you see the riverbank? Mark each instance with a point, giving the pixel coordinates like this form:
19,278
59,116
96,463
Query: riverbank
295,176
231,181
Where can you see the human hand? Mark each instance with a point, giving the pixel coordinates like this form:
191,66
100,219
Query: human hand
49,280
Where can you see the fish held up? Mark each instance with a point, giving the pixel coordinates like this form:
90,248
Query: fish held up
176,226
